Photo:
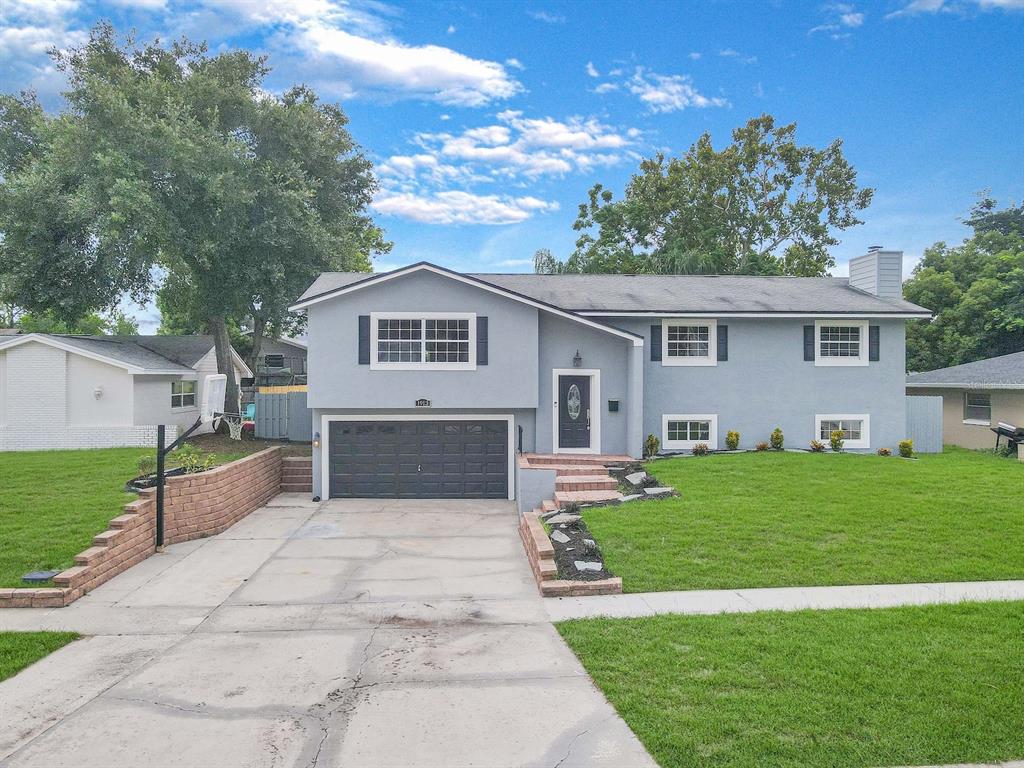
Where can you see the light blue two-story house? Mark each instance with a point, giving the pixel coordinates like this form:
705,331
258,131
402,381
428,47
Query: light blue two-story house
426,382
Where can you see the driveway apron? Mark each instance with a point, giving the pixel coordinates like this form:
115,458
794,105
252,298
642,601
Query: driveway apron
348,633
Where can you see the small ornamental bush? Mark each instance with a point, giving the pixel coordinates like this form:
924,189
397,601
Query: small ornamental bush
651,446
732,440
906,448
777,439
817,446
884,452
836,440
701,449
761,446
147,464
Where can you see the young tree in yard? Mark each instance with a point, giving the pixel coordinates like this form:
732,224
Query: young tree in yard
174,158
761,205
976,290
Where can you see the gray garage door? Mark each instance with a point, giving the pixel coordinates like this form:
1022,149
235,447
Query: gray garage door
419,459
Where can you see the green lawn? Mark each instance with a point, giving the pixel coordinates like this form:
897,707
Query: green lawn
899,686
790,519
19,649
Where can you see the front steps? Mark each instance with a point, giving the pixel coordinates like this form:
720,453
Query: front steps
297,474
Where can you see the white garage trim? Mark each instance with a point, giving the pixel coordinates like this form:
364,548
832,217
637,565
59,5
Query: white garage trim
325,438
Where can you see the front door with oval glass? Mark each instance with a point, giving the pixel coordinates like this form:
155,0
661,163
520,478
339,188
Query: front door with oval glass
574,411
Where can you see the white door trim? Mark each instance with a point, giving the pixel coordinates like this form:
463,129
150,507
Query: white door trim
325,438
595,410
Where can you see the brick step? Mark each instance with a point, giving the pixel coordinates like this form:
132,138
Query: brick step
585,483
585,497
296,472
576,459
548,505
296,488
292,460
568,469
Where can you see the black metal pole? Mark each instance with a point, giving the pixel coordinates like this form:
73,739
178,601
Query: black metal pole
160,486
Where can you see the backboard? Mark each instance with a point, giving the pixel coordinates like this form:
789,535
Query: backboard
214,389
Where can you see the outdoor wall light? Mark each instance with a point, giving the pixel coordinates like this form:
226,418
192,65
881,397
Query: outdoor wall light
577,361
316,439
98,392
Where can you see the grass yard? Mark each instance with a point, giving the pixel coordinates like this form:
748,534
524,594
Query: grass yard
900,686
794,519
52,503
19,649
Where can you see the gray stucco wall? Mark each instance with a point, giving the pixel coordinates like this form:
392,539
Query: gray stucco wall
766,383
560,338
336,380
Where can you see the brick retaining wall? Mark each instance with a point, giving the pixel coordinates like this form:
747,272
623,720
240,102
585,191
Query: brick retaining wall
195,506
541,555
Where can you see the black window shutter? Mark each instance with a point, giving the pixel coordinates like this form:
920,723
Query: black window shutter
656,343
873,343
809,343
481,340
723,342
364,339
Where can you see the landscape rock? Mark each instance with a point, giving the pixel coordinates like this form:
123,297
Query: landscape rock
637,478
560,537
658,491
582,565
562,517
631,497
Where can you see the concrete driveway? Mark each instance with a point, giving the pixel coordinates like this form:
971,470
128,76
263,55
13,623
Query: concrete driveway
348,633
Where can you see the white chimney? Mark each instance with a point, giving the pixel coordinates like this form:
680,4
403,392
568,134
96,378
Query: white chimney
878,272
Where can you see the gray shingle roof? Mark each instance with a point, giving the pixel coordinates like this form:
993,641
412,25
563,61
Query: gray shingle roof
125,350
675,293
186,350
1003,372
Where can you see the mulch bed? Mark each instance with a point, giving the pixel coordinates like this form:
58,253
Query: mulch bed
567,553
223,444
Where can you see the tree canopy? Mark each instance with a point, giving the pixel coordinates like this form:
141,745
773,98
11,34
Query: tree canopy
761,205
975,289
170,161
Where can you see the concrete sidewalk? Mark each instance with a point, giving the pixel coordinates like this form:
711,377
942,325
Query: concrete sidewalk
355,633
779,599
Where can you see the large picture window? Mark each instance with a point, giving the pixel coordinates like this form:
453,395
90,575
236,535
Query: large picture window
183,394
427,341
841,343
689,342
977,408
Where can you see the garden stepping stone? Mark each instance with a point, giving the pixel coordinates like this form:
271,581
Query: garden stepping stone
582,565
658,491
560,537
631,497
637,478
563,517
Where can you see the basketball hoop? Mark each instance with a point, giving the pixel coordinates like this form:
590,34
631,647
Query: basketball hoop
215,389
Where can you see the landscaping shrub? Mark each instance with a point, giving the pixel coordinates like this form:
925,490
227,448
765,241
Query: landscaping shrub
906,448
192,460
651,446
836,440
761,446
884,452
777,439
701,449
147,464
732,440
817,446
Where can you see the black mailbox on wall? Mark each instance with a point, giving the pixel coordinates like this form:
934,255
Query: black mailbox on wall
613,406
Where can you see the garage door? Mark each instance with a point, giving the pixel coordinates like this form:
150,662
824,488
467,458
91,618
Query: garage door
419,459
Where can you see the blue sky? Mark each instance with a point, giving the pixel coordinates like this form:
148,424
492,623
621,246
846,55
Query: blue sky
488,122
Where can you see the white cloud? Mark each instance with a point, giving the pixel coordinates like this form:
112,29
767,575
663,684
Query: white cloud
146,5
37,10
694,55
592,70
730,53
514,63
22,42
917,7
840,18
547,18
451,29
459,207
606,88
669,93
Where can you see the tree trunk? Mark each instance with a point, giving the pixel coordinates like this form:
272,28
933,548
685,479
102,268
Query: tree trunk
222,345
259,325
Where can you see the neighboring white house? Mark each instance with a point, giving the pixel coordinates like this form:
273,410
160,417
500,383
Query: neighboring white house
60,391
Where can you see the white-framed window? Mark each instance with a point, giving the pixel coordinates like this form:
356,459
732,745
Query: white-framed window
841,342
978,408
689,342
856,428
183,394
682,431
439,341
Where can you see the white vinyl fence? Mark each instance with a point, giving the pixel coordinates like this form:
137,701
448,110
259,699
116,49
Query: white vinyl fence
924,423
284,416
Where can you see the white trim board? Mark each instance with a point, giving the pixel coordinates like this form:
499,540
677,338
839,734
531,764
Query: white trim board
17,341
642,313
595,409
325,438
372,279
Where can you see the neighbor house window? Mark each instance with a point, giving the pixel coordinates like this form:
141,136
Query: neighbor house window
428,341
855,429
683,431
977,408
839,343
688,342
183,394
